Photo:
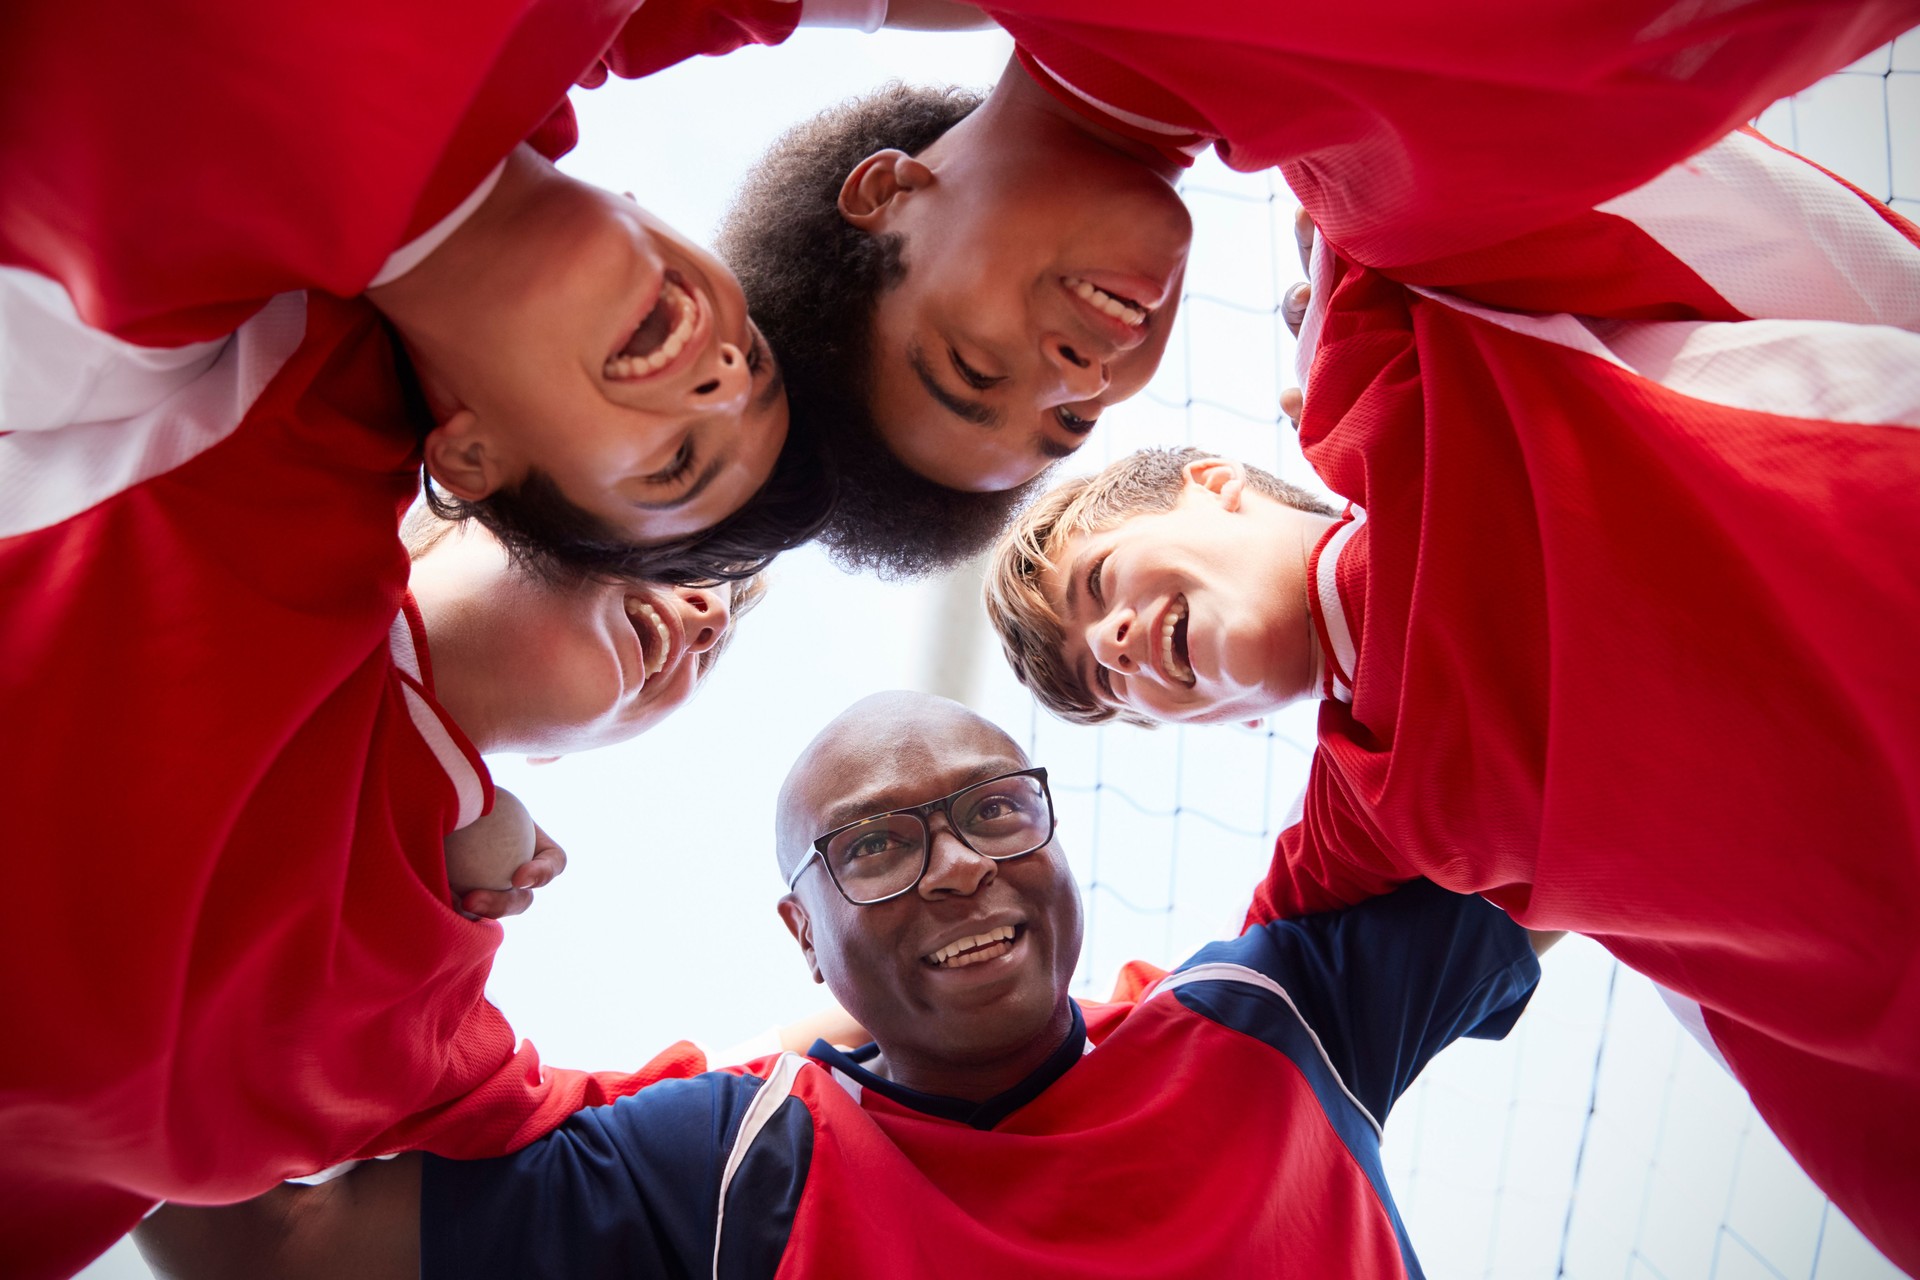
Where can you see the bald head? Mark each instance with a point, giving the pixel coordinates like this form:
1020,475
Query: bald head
966,1030
886,743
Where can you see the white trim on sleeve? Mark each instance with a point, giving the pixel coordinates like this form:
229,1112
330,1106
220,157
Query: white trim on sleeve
415,251
467,787
1803,247
1694,1019
856,15
1820,370
178,405
1319,280
57,370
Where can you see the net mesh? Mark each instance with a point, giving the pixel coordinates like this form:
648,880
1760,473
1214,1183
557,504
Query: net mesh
1598,1139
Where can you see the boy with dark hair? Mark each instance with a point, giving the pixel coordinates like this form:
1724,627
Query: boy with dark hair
1615,630
1011,312
587,381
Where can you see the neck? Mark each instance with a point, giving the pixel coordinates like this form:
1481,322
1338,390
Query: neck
472,681
1020,108
973,1081
433,304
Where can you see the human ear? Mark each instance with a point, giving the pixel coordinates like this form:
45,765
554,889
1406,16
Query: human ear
1222,477
794,916
871,190
461,459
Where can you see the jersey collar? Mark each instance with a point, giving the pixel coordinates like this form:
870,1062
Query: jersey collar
979,1115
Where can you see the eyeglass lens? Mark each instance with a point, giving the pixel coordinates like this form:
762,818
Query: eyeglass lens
1001,819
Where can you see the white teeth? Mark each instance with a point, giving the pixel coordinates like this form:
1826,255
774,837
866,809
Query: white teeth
979,940
1169,659
1106,302
638,608
627,367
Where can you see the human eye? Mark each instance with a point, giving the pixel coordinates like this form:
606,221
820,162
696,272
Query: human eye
997,808
968,374
1094,591
681,464
870,844
1103,679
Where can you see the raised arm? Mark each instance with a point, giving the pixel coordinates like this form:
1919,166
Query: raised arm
364,1224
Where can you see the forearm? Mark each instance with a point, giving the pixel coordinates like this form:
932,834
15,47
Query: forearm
365,1225
936,15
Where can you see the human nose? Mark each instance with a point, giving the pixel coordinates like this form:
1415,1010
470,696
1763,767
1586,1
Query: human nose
1075,373
1114,641
723,384
953,869
704,615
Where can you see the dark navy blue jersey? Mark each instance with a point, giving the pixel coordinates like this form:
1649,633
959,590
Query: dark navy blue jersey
1227,1121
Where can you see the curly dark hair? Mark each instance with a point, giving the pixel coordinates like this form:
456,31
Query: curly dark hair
549,534
811,279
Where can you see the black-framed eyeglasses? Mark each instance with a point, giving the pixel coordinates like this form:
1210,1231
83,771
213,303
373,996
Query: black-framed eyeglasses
884,856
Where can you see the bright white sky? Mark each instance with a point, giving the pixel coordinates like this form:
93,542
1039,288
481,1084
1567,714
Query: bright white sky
664,926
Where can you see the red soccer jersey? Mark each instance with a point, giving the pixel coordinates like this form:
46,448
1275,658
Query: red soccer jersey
177,165
220,737
252,969
1416,133
222,752
1620,634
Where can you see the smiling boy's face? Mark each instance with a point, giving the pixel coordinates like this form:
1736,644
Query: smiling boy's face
588,340
598,662
1041,286
1197,614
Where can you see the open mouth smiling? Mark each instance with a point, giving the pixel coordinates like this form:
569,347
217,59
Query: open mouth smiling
1122,320
1170,643
975,948
1123,309
669,331
658,631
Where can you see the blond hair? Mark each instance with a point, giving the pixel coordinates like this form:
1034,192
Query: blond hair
1029,625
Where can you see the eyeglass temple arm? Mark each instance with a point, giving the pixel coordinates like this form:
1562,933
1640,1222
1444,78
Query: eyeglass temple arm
794,879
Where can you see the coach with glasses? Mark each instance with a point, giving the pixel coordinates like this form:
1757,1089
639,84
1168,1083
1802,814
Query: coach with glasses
1219,1120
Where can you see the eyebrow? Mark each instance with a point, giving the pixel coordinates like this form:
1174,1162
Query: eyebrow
873,805
1088,688
1075,572
980,415
691,492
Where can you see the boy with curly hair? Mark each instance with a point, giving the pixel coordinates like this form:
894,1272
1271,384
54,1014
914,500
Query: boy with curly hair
959,286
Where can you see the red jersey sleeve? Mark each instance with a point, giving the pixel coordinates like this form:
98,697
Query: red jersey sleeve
175,166
1416,132
1327,858
1745,229
665,32
521,1099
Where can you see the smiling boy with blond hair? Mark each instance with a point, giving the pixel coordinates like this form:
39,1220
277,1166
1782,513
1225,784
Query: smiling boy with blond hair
1615,630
